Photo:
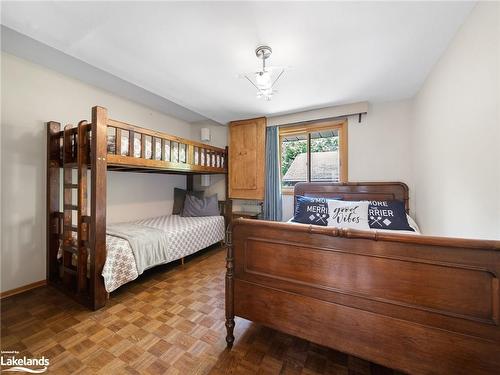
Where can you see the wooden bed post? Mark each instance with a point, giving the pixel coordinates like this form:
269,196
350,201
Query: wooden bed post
82,215
228,208
189,182
98,206
52,218
229,289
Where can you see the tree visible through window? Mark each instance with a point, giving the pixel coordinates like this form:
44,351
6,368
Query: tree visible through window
312,154
293,159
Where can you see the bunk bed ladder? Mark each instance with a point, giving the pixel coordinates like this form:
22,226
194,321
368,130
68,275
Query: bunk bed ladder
75,151
54,216
82,216
68,247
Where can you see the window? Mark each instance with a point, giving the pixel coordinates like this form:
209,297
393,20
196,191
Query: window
313,153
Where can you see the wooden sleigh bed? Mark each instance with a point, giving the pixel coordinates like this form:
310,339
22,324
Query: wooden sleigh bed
76,234
414,303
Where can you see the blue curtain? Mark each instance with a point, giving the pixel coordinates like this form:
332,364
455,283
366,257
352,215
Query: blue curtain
272,200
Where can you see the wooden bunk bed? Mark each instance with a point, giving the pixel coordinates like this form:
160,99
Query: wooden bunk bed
419,304
96,147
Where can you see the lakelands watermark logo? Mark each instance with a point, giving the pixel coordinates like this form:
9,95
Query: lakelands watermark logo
23,364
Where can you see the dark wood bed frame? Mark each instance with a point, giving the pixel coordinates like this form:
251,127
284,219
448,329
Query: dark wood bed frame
414,303
84,148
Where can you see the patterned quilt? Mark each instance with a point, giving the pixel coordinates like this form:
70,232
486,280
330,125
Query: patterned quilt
185,236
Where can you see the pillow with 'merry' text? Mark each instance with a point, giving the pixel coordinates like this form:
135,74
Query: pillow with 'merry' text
348,214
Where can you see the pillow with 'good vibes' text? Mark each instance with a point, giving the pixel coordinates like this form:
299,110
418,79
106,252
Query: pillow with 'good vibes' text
311,210
348,214
388,215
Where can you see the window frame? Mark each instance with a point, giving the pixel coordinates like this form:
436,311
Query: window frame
308,128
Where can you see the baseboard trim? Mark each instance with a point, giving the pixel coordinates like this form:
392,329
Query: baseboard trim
22,289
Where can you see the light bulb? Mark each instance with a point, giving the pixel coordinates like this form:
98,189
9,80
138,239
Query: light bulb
266,94
263,79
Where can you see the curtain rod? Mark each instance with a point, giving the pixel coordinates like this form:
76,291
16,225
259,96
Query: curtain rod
309,122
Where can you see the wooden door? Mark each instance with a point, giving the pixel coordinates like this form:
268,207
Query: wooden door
247,142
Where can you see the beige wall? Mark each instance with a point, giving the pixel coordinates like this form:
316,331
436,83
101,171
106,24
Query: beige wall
218,138
457,134
32,95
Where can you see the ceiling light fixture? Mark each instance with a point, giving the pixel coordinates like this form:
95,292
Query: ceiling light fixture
265,79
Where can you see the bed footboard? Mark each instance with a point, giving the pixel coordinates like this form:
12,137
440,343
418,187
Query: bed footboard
417,304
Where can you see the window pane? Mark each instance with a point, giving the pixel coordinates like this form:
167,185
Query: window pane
293,159
325,156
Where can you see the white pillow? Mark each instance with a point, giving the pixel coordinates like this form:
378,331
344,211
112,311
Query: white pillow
413,224
348,214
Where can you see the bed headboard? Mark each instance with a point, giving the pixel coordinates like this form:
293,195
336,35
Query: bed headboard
355,191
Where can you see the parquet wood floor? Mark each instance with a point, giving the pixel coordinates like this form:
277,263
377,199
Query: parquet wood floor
170,321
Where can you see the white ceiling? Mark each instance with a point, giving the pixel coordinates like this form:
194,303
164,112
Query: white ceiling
191,53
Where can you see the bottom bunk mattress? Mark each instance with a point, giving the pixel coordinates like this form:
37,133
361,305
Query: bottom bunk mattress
133,247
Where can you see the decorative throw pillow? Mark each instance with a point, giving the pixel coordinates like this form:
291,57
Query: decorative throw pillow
180,197
310,210
348,214
195,207
388,215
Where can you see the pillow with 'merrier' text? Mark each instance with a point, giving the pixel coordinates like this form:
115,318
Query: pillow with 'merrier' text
348,214
388,215
311,210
